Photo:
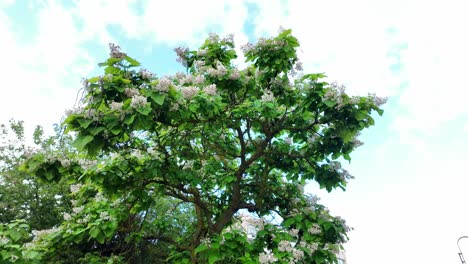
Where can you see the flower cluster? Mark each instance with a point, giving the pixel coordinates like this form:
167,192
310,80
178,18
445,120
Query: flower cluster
267,257
188,91
181,57
268,96
130,92
217,72
210,89
115,52
378,101
163,85
336,93
138,101
235,75
145,74
74,188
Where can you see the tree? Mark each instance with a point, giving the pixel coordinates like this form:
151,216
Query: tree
165,165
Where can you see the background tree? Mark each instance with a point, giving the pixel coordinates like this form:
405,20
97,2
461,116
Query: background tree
168,163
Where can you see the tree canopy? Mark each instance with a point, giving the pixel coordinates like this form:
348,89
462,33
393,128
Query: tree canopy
161,168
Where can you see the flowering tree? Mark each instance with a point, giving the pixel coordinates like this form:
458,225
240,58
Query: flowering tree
165,165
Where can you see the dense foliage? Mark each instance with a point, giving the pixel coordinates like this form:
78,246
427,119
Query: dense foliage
164,168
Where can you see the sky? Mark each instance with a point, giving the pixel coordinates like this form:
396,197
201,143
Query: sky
408,201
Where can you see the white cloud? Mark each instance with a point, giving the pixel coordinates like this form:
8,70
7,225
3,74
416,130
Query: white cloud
342,38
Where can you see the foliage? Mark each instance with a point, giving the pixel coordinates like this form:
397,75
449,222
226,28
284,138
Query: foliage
164,166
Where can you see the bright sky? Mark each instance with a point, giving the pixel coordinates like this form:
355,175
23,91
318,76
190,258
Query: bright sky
407,203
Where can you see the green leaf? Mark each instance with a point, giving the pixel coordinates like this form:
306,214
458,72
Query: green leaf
129,119
132,61
213,258
158,98
200,248
329,103
82,141
84,123
15,235
94,232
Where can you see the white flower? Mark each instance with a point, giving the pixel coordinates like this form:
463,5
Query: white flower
174,107
130,92
210,89
74,188
188,165
206,241
200,79
78,209
234,75
268,96
100,198
202,52
229,39
138,101
66,216
288,140
267,257
189,91
187,79
4,240
314,229
104,215
116,106
115,52
298,254
145,74
163,85
284,246
65,163
199,63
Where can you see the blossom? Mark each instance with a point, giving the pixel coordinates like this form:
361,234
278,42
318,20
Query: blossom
100,198
174,107
189,91
284,246
210,89
65,163
66,216
199,63
298,254
378,101
78,209
116,106
234,75
229,39
163,85
268,96
288,140
180,51
298,66
186,79
138,101
200,79
145,74
105,215
188,165
314,229
130,92
206,241
74,110
213,37
115,52
74,188
247,47
4,240
202,52
267,257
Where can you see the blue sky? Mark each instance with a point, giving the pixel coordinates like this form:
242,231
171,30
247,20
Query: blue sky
407,203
